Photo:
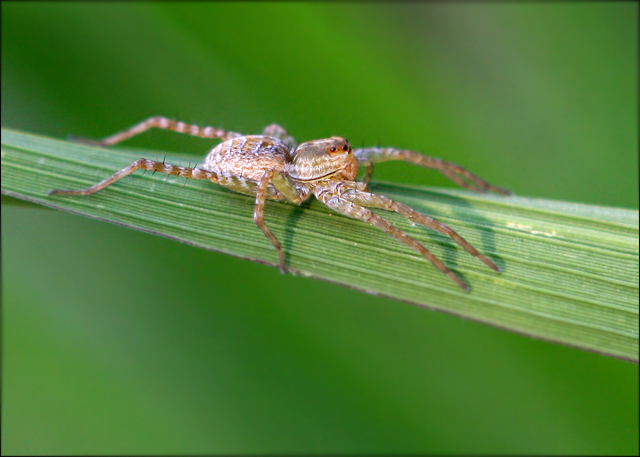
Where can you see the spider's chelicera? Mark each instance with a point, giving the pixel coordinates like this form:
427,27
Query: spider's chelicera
273,166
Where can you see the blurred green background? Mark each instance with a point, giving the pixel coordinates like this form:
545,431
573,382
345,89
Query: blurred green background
116,341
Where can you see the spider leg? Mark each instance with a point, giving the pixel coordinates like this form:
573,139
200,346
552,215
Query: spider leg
166,124
146,164
279,132
380,201
368,171
258,216
290,193
461,176
351,209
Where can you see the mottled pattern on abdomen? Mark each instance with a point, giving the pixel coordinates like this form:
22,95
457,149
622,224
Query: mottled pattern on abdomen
240,162
247,157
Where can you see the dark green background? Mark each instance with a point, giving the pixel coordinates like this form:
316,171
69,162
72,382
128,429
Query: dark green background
116,341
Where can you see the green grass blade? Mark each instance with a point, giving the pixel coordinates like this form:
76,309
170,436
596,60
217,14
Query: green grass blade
570,271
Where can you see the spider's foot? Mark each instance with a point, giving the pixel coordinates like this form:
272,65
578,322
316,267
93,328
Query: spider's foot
489,263
500,190
458,281
87,141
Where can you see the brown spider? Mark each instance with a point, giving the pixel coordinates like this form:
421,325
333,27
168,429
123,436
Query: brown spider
273,166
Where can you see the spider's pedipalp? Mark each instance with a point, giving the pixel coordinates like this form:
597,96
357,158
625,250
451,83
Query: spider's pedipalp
380,201
348,208
459,175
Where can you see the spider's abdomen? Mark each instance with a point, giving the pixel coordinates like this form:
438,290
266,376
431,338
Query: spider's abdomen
246,157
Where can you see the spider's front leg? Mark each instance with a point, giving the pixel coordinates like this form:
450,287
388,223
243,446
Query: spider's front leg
461,176
380,201
334,198
166,124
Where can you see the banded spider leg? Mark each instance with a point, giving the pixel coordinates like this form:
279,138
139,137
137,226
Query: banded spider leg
461,176
352,200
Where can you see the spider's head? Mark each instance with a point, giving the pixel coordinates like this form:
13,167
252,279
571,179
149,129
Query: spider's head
318,160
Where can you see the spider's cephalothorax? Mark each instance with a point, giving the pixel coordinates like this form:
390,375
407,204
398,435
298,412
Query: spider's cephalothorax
322,160
273,166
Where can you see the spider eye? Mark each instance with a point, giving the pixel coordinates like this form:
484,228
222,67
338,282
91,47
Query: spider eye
332,149
345,148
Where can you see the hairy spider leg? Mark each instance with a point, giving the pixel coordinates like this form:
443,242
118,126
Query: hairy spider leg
166,124
334,201
146,164
258,216
461,176
380,201
286,188
277,131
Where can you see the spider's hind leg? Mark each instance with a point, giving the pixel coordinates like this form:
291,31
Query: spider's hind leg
162,123
145,164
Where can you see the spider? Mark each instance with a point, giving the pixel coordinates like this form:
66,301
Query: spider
273,166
